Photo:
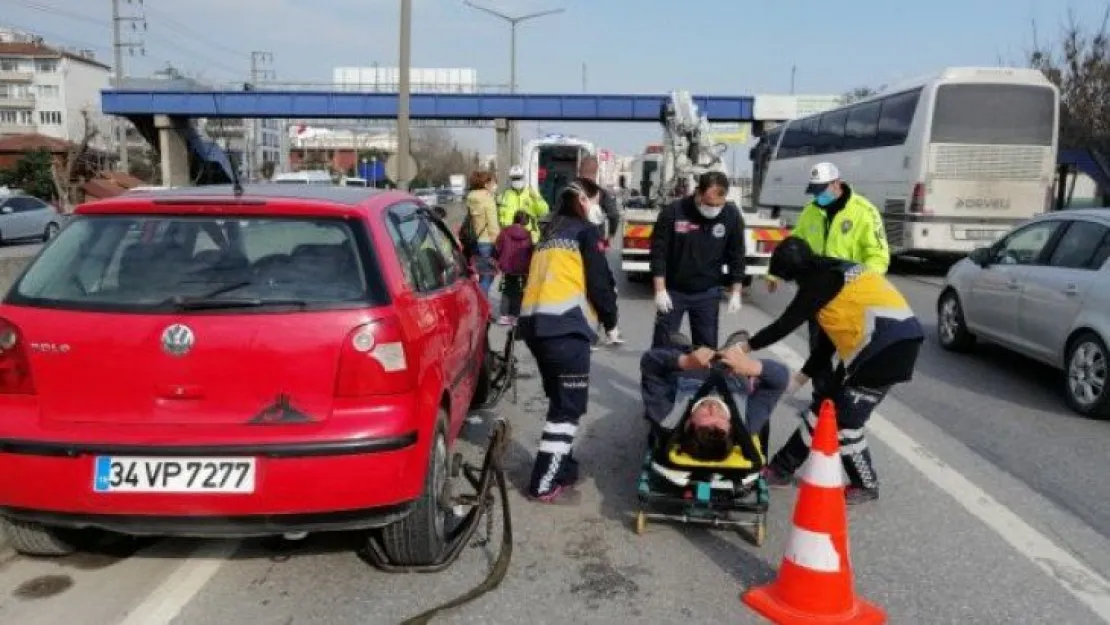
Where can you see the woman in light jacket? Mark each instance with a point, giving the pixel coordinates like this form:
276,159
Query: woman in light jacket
481,203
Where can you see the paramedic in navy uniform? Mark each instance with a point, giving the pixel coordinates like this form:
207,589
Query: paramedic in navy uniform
693,239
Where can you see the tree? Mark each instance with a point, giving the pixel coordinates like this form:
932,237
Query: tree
438,156
80,164
1079,65
267,169
860,93
32,175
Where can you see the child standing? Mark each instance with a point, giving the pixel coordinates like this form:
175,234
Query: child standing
514,253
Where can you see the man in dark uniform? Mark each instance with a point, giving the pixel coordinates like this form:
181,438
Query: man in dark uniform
693,239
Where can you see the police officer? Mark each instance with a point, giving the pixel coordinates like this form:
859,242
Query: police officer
569,290
521,197
872,330
693,239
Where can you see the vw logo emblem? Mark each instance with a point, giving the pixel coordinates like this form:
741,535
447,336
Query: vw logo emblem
178,339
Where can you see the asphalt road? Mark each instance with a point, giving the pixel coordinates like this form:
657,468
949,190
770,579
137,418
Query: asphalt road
993,511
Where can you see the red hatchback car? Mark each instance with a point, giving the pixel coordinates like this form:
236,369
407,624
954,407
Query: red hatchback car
192,363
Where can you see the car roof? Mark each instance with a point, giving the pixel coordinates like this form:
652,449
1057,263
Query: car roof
277,198
1097,214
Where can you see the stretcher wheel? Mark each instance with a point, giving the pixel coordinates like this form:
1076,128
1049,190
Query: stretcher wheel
760,533
641,522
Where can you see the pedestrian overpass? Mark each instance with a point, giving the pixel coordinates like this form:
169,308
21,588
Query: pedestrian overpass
164,118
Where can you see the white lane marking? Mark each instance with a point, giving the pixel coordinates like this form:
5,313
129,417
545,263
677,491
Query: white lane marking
166,601
1081,581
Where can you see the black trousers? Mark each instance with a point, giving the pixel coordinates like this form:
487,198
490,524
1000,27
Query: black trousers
564,367
705,315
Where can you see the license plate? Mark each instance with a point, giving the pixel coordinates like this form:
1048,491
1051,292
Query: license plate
173,475
981,235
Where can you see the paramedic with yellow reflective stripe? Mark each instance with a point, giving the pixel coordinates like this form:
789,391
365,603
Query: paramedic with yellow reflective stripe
569,289
520,197
875,337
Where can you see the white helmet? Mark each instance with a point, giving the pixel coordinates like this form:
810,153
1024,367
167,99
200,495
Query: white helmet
516,171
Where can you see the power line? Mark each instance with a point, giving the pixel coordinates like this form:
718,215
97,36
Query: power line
186,31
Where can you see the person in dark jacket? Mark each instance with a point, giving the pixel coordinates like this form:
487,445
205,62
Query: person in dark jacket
694,238
607,201
513,249
569,290
868,325
670,377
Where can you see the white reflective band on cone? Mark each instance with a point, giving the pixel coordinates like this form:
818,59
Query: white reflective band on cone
813,551
822,470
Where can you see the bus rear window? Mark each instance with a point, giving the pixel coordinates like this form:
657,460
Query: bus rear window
994,115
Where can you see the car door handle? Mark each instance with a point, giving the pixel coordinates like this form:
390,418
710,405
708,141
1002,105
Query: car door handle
1071,289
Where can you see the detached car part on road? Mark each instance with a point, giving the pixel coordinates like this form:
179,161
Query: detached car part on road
1042,290
199,363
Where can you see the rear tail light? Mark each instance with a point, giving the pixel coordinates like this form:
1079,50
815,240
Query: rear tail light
636,243
15,365
917,201
373,361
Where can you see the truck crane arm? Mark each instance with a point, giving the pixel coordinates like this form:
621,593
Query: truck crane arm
688,150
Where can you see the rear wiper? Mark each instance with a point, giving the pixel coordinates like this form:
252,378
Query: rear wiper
218,303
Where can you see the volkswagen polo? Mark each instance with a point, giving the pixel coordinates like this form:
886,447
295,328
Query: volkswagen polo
206,362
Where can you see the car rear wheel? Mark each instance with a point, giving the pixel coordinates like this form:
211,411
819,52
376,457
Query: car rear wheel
1085,376
34,539
484,384
419,538
952,331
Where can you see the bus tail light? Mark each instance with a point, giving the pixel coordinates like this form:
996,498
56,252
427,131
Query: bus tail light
917,201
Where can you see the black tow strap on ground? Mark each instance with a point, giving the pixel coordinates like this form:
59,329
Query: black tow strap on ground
491,474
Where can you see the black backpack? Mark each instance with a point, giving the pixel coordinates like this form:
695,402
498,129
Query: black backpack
468,237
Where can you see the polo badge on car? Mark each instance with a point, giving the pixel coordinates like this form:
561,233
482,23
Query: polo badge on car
178,339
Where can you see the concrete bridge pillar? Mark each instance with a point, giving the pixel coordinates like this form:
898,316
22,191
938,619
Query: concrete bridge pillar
173,149
504,150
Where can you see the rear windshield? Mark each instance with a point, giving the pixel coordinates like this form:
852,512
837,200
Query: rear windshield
144,263
994,115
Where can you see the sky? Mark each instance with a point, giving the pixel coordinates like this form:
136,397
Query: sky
709,47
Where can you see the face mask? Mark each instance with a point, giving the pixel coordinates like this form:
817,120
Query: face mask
710,212
824,198
594,214
518,184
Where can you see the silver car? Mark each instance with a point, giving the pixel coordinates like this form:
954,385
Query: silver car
25,217
1043,290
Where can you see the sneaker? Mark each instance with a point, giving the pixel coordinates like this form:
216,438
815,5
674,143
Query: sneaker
504,320
777,478
854,495
559,495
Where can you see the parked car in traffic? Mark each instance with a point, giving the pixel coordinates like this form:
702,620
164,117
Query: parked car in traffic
428,196
189,362
1042,290
25,217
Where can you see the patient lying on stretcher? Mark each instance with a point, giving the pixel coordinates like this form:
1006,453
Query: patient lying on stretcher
705,411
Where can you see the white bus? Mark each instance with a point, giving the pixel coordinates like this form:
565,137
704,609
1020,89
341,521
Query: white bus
952,161
551,163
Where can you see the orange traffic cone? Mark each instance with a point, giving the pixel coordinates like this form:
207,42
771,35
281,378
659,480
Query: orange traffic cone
815,580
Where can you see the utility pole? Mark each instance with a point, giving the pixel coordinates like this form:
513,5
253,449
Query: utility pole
584,78
119,126
404,176
793,74
514,143
261,61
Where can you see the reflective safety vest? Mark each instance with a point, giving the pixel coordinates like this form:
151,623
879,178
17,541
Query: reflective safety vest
867,315
555,301
528,200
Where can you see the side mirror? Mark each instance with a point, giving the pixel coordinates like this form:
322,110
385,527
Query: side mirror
980,256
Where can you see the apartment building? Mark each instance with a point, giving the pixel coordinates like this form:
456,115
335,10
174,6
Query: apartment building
46,89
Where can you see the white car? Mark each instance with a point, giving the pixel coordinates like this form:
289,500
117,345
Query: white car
1042,290
24,217
427,196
